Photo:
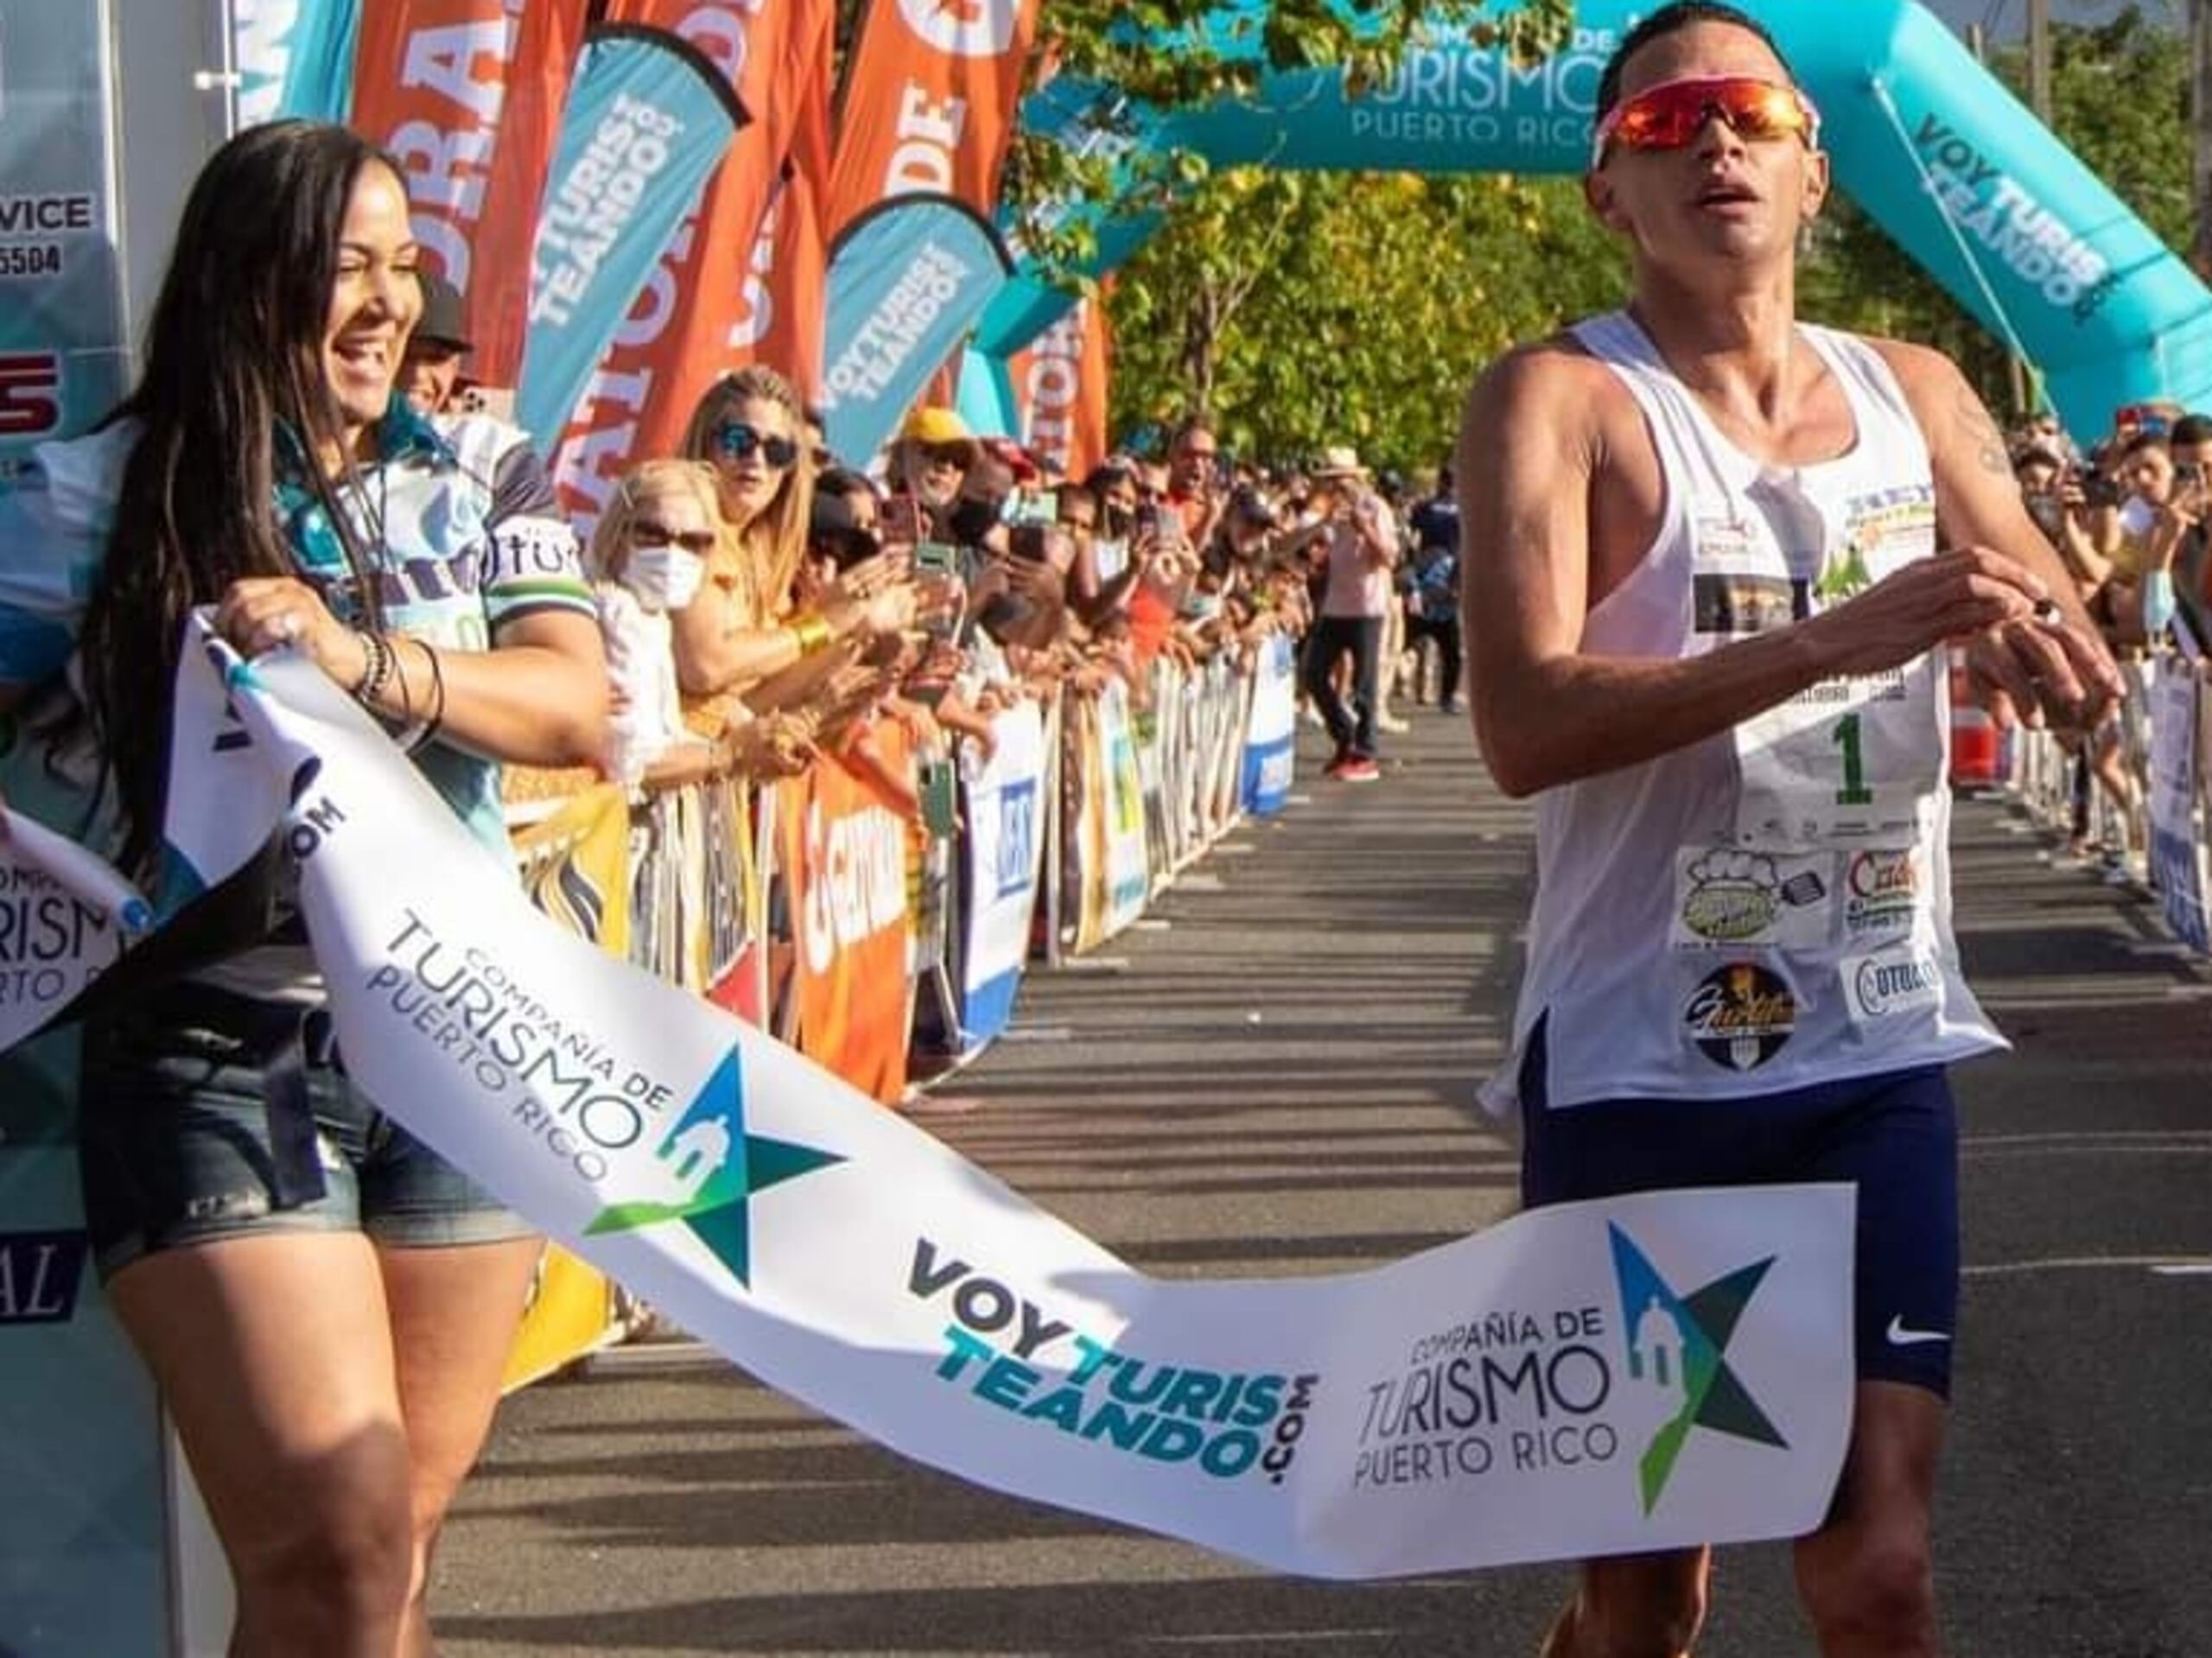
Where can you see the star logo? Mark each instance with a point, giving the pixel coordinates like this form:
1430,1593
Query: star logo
708,1168
1678,1346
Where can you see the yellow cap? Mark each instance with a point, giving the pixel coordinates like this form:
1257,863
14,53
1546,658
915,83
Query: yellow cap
934,424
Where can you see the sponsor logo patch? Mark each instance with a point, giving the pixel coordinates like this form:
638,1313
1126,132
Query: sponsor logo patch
1734,605
1741,1015
1881,891
1882,987
1729,897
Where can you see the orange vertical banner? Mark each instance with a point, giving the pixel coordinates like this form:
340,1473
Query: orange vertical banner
689,323
930,102
467,95
791,265
1059,384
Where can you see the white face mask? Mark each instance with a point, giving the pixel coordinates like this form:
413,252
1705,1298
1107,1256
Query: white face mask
664,578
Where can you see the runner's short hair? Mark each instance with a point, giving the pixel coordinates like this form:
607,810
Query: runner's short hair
1672,20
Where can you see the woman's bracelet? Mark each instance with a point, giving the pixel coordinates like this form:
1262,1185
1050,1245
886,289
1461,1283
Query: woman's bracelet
812,632
377,671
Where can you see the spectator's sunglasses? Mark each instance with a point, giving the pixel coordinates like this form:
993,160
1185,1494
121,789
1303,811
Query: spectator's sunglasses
956,455
735,441
1670,115
645,532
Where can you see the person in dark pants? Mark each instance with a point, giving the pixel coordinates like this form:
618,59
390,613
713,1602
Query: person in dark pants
1361,547
1433,600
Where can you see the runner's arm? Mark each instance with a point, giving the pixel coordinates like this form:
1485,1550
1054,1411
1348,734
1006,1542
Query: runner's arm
1531,447
2055,670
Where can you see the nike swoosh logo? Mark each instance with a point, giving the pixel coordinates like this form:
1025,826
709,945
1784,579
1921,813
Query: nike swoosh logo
1901,1337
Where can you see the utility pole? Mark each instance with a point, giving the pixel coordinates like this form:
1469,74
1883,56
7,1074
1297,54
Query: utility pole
2016,371
2039,59
2200,128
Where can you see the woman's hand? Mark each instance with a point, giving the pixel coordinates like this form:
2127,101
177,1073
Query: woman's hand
263,613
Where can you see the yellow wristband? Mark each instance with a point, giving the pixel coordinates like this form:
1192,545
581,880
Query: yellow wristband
813,633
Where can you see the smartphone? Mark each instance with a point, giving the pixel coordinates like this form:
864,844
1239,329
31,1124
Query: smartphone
937,558
898,522
937,785
1033,506
1148,518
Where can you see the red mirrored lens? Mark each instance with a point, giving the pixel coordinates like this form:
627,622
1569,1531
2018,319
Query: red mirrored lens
1670,116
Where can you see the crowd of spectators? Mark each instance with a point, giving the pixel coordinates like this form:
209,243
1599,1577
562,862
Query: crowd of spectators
2128,515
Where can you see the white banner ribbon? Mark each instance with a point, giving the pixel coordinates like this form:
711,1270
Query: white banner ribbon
1648,1373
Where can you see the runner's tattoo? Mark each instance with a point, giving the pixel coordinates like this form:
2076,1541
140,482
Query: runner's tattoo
1982,431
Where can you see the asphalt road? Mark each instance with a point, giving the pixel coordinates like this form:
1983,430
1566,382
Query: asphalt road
1271,1076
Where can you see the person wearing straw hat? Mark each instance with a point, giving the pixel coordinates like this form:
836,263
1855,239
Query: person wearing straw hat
1361,549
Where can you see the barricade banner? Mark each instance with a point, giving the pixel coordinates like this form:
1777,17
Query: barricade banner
1125,861
1650,1372
1271,732
575,867
467,95
2177,824
845,853
1148,725
294,57
1004,846
64,361
906,281
649,119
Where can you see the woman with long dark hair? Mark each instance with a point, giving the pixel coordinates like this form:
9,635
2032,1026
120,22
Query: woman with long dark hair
326,1305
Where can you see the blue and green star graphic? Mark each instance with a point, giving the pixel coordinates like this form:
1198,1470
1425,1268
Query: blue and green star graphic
1713,1396
714,1167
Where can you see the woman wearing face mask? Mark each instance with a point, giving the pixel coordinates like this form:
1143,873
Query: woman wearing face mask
743,627
648,559
326,1305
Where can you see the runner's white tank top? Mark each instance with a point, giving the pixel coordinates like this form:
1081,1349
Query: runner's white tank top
1769,908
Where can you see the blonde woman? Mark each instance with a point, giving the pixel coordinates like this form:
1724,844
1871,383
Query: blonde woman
648,560
742,629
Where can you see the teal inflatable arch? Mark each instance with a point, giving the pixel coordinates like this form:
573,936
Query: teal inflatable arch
1932,146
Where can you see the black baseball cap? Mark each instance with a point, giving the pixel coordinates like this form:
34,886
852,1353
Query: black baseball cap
444,320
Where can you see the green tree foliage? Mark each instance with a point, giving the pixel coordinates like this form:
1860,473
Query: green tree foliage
1304,309
1300,310
2120,101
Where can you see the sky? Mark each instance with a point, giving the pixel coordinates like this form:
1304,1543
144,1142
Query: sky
2008,19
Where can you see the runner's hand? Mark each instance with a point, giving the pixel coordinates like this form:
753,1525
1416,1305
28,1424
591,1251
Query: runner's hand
1952,595
2043,673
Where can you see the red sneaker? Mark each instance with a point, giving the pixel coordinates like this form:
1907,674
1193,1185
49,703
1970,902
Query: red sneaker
1357,768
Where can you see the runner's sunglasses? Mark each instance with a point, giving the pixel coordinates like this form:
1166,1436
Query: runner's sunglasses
1670,115
735,441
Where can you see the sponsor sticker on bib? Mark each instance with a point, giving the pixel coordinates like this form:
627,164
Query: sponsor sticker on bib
1881,891
1882,987
1741,1015
1725,896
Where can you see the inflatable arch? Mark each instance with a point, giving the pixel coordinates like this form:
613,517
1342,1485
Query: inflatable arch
1932,146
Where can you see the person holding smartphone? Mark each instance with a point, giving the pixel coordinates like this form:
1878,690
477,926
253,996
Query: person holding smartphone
1360,547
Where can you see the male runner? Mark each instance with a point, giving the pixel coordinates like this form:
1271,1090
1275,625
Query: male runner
1719,554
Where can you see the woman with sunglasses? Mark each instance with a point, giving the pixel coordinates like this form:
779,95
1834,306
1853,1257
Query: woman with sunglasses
1720,554
648,560
743,627
326,1305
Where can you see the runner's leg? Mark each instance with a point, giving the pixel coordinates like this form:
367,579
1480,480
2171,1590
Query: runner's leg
1635,1606
1865,1577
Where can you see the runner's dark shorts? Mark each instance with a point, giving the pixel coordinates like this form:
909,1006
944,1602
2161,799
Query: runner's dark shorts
1894,1136
182,1141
